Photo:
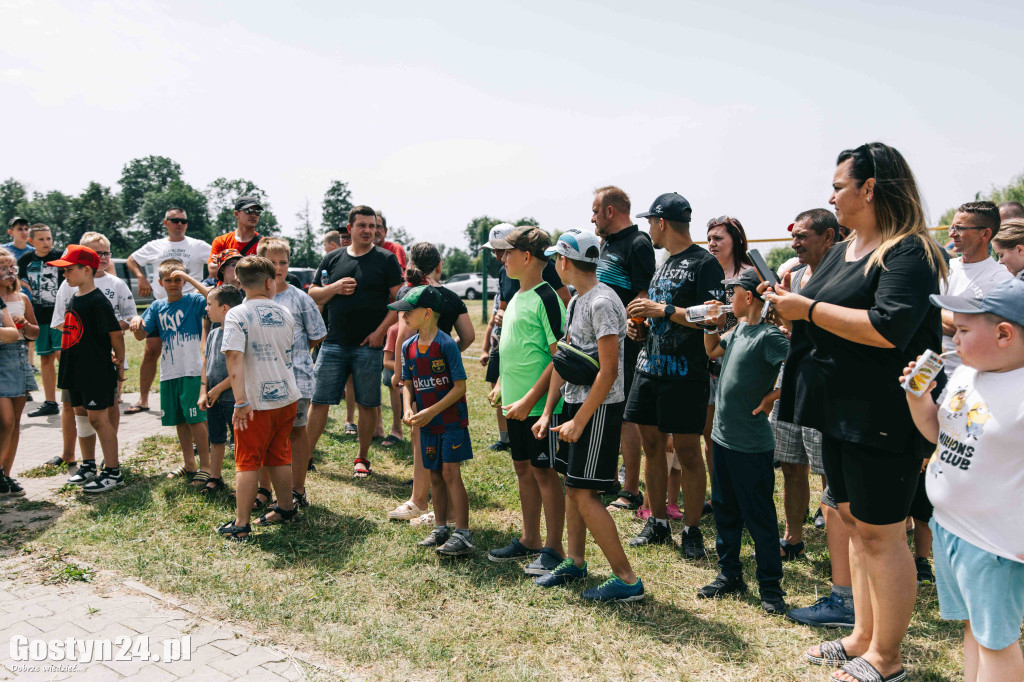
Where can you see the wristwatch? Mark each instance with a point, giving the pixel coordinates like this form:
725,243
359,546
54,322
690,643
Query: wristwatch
669,310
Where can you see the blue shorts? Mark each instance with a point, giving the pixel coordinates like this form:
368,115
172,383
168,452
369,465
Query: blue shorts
336,363
978,586
218,421
444,448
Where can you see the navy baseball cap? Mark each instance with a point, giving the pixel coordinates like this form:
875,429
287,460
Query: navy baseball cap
1005,300
247,202
748,279
670,206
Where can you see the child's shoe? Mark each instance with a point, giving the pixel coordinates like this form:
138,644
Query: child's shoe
86,472
107,480
457,545
437,538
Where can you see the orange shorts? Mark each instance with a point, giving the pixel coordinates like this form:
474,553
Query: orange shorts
264,442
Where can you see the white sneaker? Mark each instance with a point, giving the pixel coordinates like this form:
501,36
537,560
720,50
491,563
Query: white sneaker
407,511
104,482
85,473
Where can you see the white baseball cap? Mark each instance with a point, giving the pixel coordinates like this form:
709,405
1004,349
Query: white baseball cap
576,244
496,237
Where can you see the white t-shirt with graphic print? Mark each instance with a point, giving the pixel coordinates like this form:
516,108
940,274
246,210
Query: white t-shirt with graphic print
263,331
193,253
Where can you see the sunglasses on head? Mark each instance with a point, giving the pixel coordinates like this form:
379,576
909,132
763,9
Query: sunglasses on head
178,221
720,220
253,211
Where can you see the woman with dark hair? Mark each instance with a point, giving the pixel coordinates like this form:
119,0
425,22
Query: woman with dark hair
867,315
425,268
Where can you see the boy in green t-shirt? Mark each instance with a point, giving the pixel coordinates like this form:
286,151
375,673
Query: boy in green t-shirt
530,330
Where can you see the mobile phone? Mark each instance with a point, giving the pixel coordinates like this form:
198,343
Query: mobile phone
763,271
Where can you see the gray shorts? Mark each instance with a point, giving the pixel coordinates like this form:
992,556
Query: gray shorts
301,412
798,445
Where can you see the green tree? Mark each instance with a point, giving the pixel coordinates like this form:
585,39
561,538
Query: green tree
305,246
478,229
454,261
400,235
335,206
13,198
139,177
778,256
150,218
222,195
55,209
1014,191
97,209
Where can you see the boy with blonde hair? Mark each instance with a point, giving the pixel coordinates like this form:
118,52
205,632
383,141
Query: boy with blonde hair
179,321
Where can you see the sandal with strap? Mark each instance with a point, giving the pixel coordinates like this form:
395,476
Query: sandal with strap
213,485
862,671
830,653
283,517
634,501
234,533
200,478
361,473
182,472
351,429
791,552
258,502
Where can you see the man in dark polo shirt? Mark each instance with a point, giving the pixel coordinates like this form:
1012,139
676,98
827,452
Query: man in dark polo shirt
626,265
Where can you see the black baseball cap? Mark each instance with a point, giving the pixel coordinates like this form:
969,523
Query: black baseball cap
424,296
16,220
748,279
670,206
247,202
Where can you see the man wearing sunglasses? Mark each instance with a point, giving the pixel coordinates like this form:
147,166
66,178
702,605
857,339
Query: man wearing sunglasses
244,237
193,253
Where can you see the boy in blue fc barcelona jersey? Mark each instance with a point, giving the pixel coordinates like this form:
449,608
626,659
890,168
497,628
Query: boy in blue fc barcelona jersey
435,400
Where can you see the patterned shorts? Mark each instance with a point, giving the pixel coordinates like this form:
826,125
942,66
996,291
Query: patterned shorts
798,445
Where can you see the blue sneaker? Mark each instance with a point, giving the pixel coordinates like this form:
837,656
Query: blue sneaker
614,589
545,563
512,551
827,612
565,572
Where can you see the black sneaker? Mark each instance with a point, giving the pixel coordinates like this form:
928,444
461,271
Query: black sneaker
56,461
5,490
653,533
437,538
925,576
721,586
706,509
500,446
86,472
692,544
45,410
104,482
513,551
772,602
14,489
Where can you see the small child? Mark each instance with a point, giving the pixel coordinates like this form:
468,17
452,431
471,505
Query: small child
309,331
743,475
179,320
257,343
592,421
434,389
215,395
975,479
93,362
42,280
16,378
530,329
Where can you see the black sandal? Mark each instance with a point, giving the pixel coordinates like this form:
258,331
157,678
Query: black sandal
361,473
200,479
635,501
283,517
791,552
234,533
259,503
212,486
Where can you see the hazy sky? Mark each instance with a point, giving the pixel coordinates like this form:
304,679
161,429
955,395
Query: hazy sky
439,112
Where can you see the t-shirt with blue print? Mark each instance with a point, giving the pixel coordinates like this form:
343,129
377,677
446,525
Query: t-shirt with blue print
180,325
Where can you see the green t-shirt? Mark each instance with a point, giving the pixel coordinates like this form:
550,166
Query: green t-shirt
753,356
533,320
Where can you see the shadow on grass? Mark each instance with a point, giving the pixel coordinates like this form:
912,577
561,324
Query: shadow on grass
23,521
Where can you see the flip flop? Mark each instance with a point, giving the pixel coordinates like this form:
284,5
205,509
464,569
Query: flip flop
350,429
390,441
135,409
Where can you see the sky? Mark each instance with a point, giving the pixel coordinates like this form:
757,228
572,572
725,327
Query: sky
436,113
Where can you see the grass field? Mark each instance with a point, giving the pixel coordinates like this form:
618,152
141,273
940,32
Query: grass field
356,588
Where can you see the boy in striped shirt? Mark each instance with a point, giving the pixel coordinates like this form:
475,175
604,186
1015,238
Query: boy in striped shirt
434,390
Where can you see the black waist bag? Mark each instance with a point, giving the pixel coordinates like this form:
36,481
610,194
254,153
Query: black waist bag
573,364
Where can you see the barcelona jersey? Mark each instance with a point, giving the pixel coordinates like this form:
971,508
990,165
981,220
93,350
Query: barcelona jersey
433,374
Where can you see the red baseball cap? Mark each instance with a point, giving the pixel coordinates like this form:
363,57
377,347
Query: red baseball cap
790,228
76,254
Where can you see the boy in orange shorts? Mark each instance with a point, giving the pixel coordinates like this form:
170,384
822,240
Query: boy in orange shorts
257,345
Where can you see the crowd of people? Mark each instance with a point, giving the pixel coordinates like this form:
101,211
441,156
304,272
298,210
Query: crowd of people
593,350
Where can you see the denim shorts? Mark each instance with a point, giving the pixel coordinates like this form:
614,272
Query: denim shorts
14,372
218,421
335,364
975,585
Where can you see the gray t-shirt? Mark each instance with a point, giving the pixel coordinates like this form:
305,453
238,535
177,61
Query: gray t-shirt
597,313
216,364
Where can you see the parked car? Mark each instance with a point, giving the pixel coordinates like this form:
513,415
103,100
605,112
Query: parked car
470,285
304,275
122,271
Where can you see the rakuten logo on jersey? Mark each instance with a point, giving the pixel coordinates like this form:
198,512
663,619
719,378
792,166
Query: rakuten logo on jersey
431,383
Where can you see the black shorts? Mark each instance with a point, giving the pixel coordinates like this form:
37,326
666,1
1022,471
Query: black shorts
921,508
630,353
523,446
672,406
592,462
94,398
879,484
493,365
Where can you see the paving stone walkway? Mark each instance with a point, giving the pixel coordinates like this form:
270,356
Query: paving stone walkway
34,609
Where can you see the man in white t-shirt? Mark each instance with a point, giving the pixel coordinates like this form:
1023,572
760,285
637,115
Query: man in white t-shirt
193,253
975,272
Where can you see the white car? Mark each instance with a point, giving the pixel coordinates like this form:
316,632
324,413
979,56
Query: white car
469,285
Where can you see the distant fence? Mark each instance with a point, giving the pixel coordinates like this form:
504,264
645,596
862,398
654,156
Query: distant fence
787,240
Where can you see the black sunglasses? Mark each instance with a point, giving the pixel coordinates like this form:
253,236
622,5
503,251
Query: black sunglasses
253,211
720,220
178,221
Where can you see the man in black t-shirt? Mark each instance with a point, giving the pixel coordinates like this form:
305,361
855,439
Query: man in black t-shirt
626,265
672,384
355,285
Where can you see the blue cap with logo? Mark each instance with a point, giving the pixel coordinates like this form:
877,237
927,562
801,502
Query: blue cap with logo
576,244
1005,300
670,206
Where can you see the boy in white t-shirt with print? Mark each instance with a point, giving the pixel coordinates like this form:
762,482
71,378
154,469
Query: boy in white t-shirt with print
975,479
257,345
